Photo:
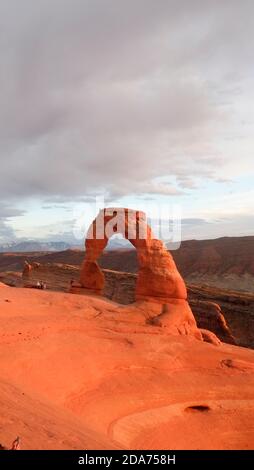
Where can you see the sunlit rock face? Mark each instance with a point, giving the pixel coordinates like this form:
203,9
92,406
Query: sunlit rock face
158,279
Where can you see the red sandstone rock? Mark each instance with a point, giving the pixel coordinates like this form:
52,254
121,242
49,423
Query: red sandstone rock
158,278
210,317
83,372
3,285
210,337
92,277
27,270
178,318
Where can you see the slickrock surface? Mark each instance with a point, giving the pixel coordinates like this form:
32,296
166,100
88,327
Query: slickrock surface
120,287
237,307
85,363
2,285
41,424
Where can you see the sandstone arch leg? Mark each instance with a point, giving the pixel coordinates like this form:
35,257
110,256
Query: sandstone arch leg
92,277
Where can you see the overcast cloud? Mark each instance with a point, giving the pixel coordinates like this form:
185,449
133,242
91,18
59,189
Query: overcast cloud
138,97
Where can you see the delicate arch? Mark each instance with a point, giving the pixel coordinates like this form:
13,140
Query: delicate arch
158,277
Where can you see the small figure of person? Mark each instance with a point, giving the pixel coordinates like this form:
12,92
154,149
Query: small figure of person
16,444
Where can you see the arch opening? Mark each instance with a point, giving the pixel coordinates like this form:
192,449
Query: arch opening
118,263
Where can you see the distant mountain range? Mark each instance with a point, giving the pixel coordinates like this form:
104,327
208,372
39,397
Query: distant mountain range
32,245
26,246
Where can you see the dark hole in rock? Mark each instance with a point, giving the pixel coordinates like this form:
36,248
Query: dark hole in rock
201,408
227,363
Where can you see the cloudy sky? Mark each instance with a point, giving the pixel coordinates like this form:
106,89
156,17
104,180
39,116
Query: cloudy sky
147,103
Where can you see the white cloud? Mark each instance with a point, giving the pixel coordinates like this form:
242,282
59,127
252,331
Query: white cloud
113,96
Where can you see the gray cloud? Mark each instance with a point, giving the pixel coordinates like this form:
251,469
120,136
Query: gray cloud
108,96
7,233
7,212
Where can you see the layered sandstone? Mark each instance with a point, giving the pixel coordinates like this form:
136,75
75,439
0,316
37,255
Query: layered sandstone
210,317
158,279
120,287
85,372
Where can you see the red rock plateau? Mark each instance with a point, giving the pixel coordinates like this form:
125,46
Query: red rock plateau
229,314
85,372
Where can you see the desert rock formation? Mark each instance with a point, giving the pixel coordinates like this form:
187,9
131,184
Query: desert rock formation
120,288
210,317
85,372
27,270
158,279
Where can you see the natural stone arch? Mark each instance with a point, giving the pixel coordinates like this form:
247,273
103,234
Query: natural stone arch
161,295
158,278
